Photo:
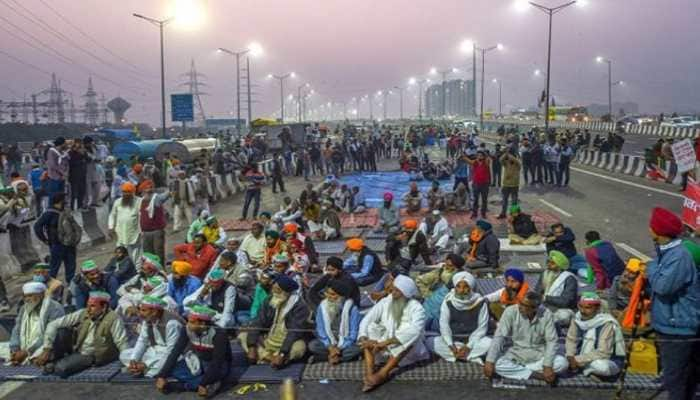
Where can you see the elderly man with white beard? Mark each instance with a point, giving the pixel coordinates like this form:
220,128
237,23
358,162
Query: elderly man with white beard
464,321
27,335
337,325
283,315
393,330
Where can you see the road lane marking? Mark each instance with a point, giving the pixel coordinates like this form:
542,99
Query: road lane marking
633,251
9,387
555,208
637,185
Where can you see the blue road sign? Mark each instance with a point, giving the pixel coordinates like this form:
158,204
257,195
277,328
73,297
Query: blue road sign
182,107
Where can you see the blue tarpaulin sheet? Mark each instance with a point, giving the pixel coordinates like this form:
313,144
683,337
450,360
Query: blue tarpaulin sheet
374,184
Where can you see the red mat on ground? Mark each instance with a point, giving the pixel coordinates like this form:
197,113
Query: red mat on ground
367,219
458,219
235,224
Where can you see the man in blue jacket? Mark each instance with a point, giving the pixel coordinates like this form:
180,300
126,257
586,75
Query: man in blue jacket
337,325
675,305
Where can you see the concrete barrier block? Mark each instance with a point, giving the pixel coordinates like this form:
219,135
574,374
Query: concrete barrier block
22,246
622,163
9,265
631,165
641,170
604,158
612,162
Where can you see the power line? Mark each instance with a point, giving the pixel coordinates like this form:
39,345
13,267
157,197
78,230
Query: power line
33,18
94,41
30,65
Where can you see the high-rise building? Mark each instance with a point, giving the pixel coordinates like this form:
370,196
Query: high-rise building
458,99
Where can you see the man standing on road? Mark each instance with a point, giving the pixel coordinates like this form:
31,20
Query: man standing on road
511,180
481,177
277,161
253,190
46,229
567,154
152,219
57,167
525,154
124,222
675,301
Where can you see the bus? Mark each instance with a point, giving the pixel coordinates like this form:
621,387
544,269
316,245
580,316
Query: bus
569,114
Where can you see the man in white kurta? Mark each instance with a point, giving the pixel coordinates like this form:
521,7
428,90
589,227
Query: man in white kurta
160,332
440,233
124,222
464,321
393,330
533,354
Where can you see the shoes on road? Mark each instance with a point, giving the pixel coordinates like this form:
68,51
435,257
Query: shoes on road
501,216
4,306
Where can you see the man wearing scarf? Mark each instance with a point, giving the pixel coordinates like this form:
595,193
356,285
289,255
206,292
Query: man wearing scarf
393,330
464,321
483,248
333,271
512,293
197,225
283,316
363,264
183,200
409,244
159,333
292,230
123,221
521,229
199,254
273,246
389,219
27,335
91,279
219,295
153,219
201,359
594,341
237,274
337,325
100,338
330,225
437,230
559,288
181,283
623,286
262,291
54,287
674,283
132,291
121,265
533,353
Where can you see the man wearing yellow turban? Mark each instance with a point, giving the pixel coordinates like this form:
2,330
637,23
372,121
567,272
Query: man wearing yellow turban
181,283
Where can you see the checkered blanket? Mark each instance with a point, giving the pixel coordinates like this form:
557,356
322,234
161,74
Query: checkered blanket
632,382
440,370
486,286
367,219
32,373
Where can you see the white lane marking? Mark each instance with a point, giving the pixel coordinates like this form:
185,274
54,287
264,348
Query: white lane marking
637,185
555,208
9,387
633,251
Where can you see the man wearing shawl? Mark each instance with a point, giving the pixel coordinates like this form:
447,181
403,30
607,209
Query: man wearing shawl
183,200
594,341
54,287
27,335
201,359
393,330
363,264
199,254
409,244
236,272
337,325
533,353
483,249
99,338
219,295
437,230
123,221
159,333
389,219
277,333
559,288
329,223
333,271
153,219
181,283
273,246
91,279
464,320
132,291
512,293
521,228
434,286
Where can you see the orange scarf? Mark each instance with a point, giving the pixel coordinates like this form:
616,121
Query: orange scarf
474,238
628,322
505,300
272,251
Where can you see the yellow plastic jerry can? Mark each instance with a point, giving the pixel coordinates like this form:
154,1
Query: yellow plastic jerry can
643,358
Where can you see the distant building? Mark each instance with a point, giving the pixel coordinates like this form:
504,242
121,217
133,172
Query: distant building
459,96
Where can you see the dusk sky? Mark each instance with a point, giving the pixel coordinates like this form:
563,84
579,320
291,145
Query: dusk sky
347,48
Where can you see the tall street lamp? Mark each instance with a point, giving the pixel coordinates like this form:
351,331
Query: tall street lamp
483,51
610,84
500,103
400,89
550,11
385,102
254,49
281,79
420,83
299,99
160,24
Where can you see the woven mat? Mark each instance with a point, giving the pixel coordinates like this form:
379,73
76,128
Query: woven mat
462,219
265,374
486,286
367,219
376,245
440,370
235,224
632,382
351,232
35,374
330,248
376,235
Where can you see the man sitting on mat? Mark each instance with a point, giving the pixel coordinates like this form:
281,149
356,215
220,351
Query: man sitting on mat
363,265
27,336
521,229
389,219
413,198
393,331
559,288
100,338
437,230
594,342
482,250
337,325
201,359
512,293
283,317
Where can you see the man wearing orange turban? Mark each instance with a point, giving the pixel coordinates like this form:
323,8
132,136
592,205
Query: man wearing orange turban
123,222
363,264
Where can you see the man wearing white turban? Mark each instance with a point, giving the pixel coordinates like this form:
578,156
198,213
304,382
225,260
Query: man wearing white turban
393,330
28,333
464,320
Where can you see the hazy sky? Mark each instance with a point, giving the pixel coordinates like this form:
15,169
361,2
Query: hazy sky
347,48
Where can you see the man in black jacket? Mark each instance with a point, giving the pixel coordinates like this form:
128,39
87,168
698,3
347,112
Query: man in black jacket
284,318
46,229
521,228
210,346
334,272
483,248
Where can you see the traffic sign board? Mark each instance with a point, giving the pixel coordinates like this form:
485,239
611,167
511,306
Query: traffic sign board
182,107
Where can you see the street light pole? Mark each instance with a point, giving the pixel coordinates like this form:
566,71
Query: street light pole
238,55
483,68
385,95
250,103
550,12
160,24
474,78
281,79
500,103
400,89
371,111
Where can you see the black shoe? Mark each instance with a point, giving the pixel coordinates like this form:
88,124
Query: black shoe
501,216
